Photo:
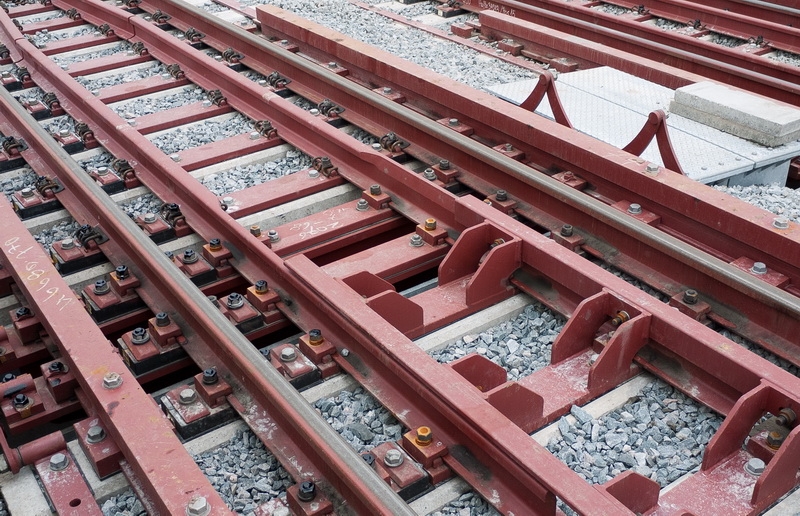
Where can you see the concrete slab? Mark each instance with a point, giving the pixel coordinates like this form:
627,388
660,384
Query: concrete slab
734,111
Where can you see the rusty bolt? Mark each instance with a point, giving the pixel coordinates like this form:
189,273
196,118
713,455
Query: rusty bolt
288,354
566,230
198,506
139,336
21,401
101,287
112,380
375,190
690,297
210,376
755,466
59,462
261,286
273,235
235,301
416,241
786,417
444,164
189,256
95,434
424,436
255,230
315,337
635,209
775,439
214,244
429,174
501,195
122,272
393,458
67,243
759,268
781,223
430,224
307,491
187,396
362,205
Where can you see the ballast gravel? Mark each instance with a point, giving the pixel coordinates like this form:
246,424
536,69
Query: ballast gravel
468,504
202,133
245,176
24,177
784,57
360,419
520,346
43,37
774,198
105,52
66,229
147,203
142,106
100,160
130,75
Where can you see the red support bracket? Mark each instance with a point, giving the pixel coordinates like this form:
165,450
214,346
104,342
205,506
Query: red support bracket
656,126
547,86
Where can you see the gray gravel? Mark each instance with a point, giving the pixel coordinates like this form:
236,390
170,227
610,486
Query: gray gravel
142,106
36,18
245,176
783,364
364,137
11,184
520,346
44,37
450,59
118,48
60,231
644,287
726,41
468,504
29,94
201,133
124,504
661,434
669,24
777,199
128,76
613,9
244,473
101,160
147,203
784,57
54,125
360,419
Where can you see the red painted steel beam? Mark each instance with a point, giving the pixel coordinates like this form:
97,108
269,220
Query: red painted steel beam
782,13
757,75
132,418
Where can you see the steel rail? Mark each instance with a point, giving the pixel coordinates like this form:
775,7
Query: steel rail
247,369
770,11
783,88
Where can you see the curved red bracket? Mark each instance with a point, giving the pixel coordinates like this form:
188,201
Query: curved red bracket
656,126
547,86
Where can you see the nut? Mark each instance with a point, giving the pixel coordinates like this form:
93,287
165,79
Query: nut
501,195
235,301
375,190
149,218
429,174
95,434
315,337
307,491
139,336
430,224
416,241
393,458
210,376
261,286
781,222
273,235
101,287
59,462
162,319
453,122
187,396
690,297
112,380
566,230
189,256
198,506
362,205
67,243
424,436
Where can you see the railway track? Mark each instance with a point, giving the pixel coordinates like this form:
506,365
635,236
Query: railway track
408,245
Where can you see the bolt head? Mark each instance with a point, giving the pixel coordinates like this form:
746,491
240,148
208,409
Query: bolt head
261,286
375,190
187,396
112,380
67,243
759,268
235,300
210,376
416,241
501,195
21,400
424,436
755,466
288,354
139,336
690,297
273,235
198,506
635,209
189,256
59,461
781,222
430,224
652,167
566,230
393,458
362,205
95,434
307,491
101,287
453,121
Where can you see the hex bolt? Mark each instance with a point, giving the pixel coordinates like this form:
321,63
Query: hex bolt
102,171
23,311
273,235
235,301
227,200
444,164
162,319
313,173
67,243
566,230
690,297
430,224
288,354
315,337
755,466
255,230
122,272
332,64
187,396
781,222
375,190
453,122
149,218
261,286
210,376
416,241
508,147
63,133
56,367
775,439
313,111
393,458
206,103
198,506
262,82
344,352
424,436
652,168
362,205
21,401
189,256
112,380
139,336
377,147
307,491
255,135
501,195
429,174
101,287
95,434
8,377
635,209
214,244
759,268
59,462
387,90
175,157
26,192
